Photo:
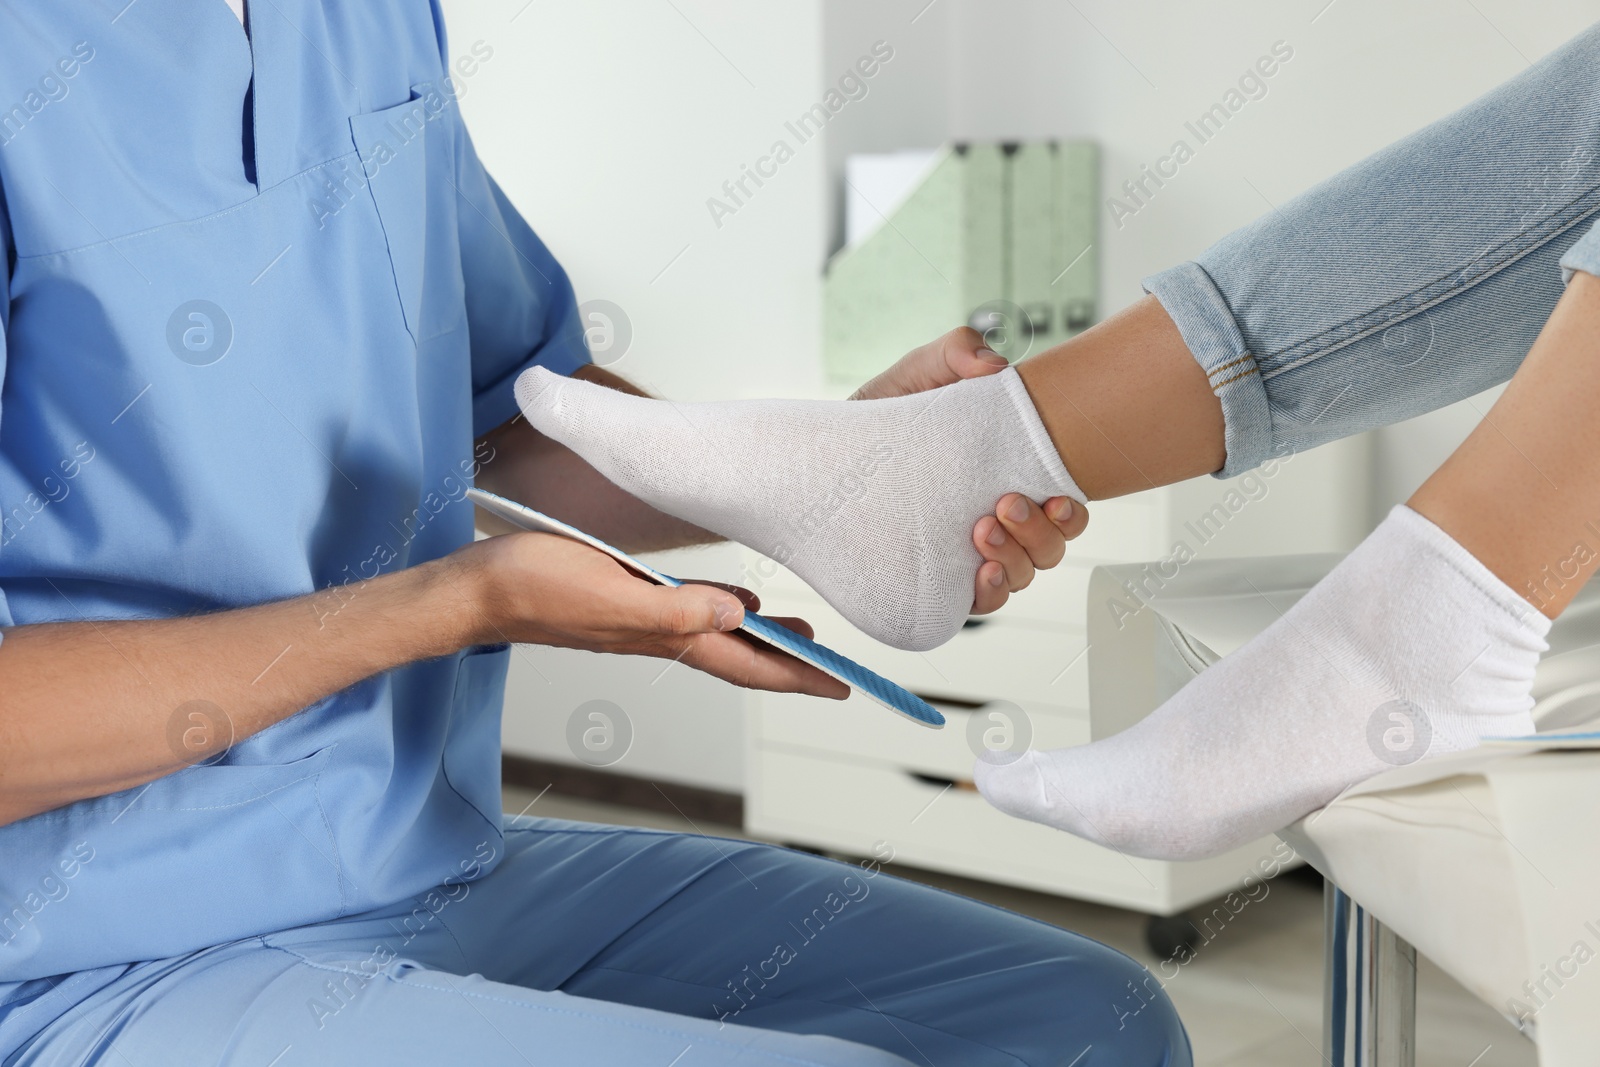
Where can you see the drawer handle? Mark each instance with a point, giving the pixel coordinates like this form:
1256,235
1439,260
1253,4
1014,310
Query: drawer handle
959,703
939,782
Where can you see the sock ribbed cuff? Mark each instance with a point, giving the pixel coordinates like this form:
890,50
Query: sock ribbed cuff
1434,539
1038,436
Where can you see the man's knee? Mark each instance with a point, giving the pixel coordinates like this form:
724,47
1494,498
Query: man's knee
1138,1017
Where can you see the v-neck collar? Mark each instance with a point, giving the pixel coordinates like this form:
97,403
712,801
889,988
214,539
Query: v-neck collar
237,39
250,119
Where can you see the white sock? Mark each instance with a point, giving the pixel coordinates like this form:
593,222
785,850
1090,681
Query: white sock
1410,646
871,502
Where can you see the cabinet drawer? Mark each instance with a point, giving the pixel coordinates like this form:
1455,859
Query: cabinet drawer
993,660
802,799
860,729
806,799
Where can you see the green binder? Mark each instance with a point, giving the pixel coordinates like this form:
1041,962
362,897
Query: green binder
998,237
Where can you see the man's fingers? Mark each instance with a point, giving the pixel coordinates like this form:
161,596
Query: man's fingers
1030,526
691,623
691,609
967,355
961,353
995,543
750,601
990,591
753,666
1070,517
1018,539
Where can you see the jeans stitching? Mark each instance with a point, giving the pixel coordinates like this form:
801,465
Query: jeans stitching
1247,357
1242,374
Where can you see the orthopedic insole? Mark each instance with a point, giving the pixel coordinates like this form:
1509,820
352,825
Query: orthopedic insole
758,627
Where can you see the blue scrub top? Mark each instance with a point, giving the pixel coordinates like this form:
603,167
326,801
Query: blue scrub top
261,297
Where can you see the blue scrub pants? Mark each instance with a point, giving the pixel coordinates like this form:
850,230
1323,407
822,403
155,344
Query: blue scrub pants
600,945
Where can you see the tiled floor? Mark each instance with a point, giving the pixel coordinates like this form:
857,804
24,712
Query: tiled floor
1251,997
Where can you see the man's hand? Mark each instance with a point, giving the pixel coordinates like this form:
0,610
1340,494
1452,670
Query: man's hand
542,589
1021,536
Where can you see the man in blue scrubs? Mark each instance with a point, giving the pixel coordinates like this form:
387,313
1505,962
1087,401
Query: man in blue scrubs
262,309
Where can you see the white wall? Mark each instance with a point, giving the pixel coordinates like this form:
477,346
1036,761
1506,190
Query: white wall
610,122
910,101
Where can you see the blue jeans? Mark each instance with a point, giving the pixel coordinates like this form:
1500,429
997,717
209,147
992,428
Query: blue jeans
606,947
1414,279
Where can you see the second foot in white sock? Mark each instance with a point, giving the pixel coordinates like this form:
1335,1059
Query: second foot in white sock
1409,647
871,502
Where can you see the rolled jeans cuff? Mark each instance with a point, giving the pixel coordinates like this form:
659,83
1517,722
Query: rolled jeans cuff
1202,316
1584,256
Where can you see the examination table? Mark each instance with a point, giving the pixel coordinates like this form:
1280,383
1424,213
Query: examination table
1487,862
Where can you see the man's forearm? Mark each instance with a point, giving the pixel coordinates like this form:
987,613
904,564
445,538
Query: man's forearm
89,707
527,466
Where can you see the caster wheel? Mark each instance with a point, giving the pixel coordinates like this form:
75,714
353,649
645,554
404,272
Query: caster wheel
1169,936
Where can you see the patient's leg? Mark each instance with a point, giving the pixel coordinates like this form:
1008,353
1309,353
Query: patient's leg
1424,640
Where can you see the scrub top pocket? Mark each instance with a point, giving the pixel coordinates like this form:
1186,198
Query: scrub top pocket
405,156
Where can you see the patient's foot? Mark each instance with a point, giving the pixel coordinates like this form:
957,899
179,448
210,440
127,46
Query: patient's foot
872,502
1409,647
